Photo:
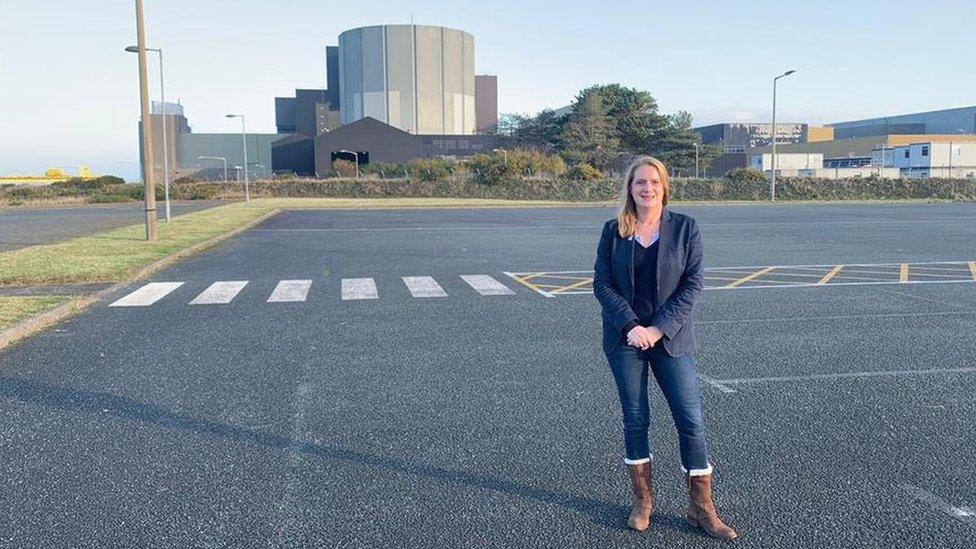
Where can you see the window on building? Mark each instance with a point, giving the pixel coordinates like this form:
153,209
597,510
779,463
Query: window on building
906,153
925,150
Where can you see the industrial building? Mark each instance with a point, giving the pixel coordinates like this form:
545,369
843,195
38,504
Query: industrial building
381,82
416,80
942,122
185,148
735,138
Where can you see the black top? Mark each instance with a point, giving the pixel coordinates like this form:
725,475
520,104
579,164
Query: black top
645,283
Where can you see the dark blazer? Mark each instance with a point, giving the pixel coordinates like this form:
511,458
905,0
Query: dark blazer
680,277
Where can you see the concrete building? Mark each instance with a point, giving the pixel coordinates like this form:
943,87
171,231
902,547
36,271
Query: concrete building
170,114
185,148
486,103
946,121
191,146
417,78
736,138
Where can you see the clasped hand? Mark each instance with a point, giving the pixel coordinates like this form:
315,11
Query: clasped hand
644,338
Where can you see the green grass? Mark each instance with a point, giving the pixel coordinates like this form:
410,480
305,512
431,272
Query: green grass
15,309
115,255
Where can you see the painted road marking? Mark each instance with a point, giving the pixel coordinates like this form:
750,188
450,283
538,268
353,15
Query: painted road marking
747,278
553,283
220,292
147,295
721,387
833,272
290,291
359,288
845,375
962,514
423,286
486,285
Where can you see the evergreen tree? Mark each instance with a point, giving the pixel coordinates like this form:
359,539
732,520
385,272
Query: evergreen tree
589,135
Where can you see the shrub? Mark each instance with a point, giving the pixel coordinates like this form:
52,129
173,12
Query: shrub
745,175
584,172
431,169
383,170
343,168
514,164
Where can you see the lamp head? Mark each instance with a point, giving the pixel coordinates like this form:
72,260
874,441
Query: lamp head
132,49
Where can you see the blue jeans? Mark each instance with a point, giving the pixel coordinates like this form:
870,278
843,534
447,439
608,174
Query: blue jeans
678,380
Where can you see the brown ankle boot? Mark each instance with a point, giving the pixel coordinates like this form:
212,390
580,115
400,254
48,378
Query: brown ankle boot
701,510
643,503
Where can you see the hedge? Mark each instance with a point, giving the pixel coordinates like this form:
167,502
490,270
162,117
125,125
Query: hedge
532,188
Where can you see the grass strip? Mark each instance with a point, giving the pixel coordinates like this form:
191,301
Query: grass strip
13,309
116,255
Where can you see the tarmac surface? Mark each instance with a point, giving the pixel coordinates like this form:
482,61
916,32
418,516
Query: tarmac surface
28,226
354,414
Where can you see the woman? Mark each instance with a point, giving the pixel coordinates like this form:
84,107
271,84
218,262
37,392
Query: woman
648,277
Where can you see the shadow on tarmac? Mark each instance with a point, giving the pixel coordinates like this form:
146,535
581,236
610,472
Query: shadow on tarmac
600,512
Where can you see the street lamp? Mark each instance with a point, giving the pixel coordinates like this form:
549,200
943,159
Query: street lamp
355,155
162,100
146,126
504,154
247,191
772,181
222,158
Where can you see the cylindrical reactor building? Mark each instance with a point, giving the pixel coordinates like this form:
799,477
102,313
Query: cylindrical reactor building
417,78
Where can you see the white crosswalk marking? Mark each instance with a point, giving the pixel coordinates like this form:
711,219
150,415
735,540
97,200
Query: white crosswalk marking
220,292
486,285
424,286
147,295
290,291
359,288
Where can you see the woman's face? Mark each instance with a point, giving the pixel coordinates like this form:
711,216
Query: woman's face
646,188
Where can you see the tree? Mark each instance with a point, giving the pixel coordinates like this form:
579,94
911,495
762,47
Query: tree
589,135
540,132
634,115
677,146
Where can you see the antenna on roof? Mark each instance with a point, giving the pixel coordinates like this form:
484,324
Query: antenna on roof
411,18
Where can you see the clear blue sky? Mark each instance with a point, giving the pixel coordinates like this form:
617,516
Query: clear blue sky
69,94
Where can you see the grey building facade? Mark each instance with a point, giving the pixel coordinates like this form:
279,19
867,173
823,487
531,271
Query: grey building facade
417,78
375,141
947,121
486,103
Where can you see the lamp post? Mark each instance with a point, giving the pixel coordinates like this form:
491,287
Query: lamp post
247,190
355,155
696,159
221,158
504,154
772,181
162,100
146,126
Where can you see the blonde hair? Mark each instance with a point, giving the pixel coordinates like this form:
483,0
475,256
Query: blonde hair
627,216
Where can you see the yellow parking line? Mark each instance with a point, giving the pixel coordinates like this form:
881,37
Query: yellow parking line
525,280
904,273
833,272
562,277
571,286
747,278
972,268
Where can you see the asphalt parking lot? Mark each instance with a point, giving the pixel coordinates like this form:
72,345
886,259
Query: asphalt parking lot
29,226
393,379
